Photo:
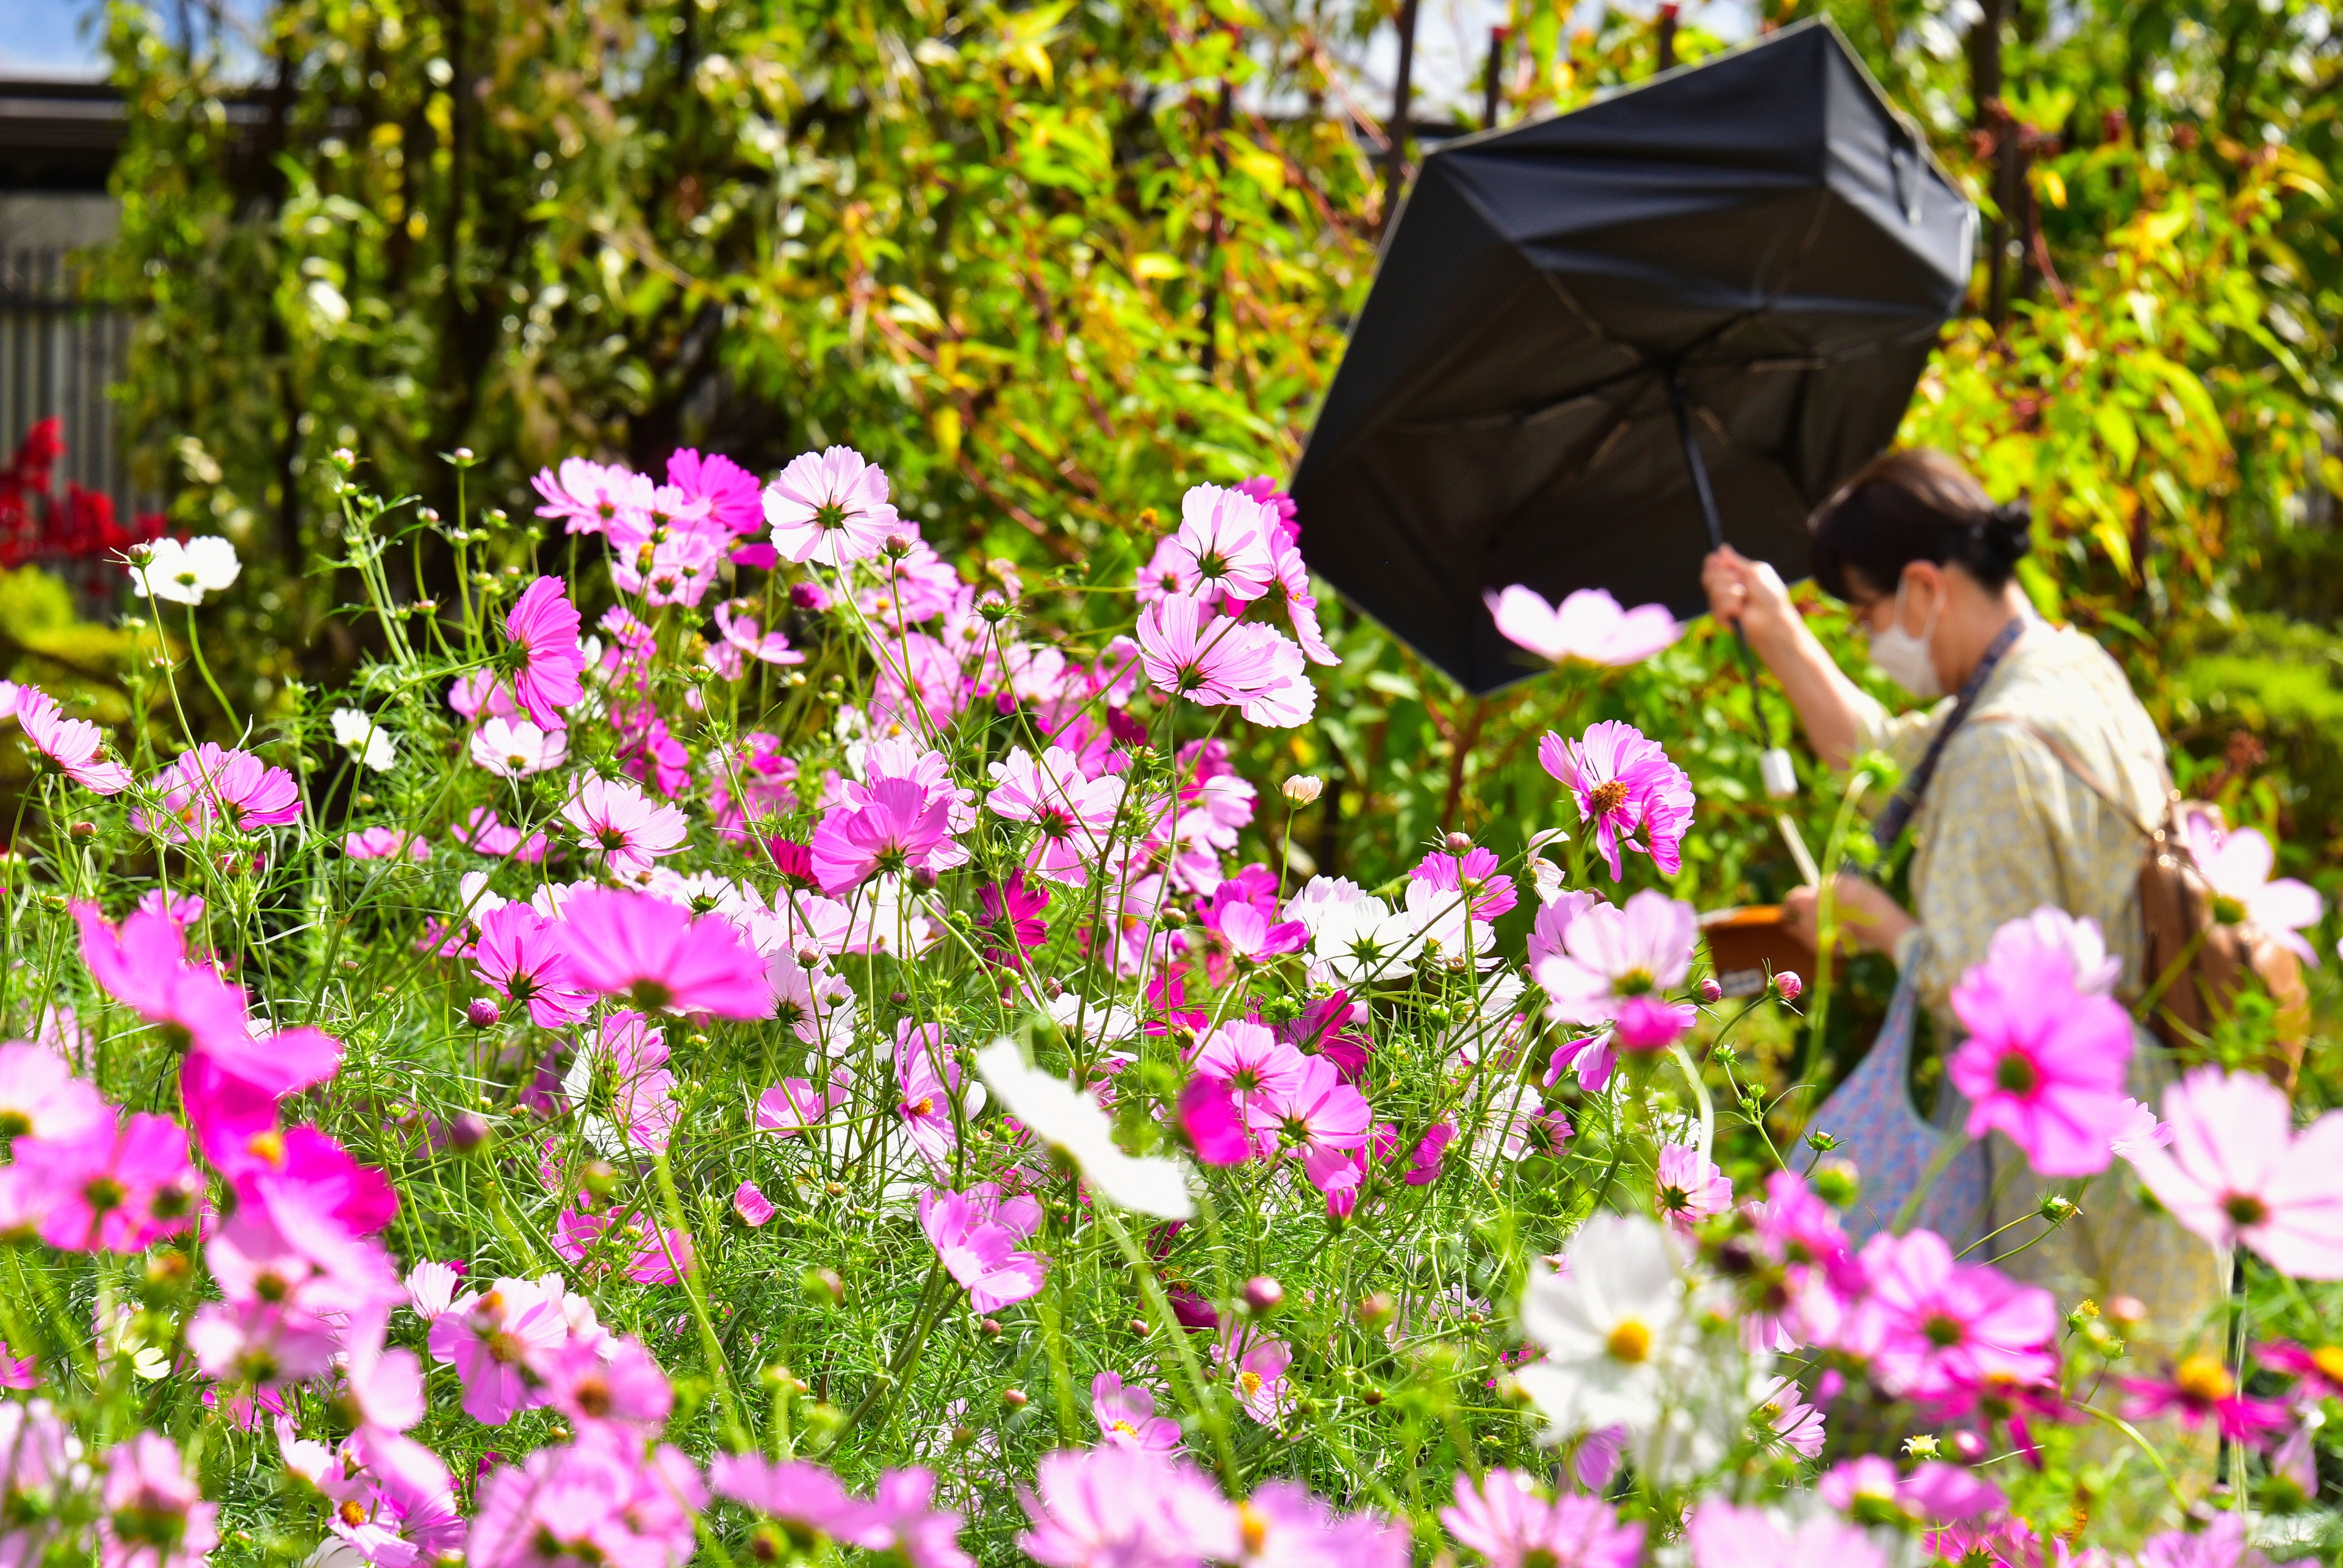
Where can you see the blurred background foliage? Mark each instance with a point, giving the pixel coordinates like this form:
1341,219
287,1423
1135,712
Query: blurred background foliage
1049,263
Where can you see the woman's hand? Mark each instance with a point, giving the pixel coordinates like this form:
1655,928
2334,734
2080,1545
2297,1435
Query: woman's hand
1750,595
1864,911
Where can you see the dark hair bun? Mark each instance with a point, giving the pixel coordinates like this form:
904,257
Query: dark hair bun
2005,535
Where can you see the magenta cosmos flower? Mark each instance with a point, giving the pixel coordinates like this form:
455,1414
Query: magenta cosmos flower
1625,785
662,956
1014,926
1126,1416
1512,1522
1687,1188
113,1187
2236,1171
544,657
73,744
524,956
832,508
730,491
2198,1390
1588,625
1473,873
587,496
2044,1062
899,829
976,1233
209,787
1938,1329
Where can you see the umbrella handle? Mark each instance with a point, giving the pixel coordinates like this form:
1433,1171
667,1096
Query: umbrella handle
1708,514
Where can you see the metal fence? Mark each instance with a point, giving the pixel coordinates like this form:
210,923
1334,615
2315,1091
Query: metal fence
58,356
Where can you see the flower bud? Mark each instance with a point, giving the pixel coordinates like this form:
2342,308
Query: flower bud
809,958
429,513
467,1131
2126,1312
1968,1447
1820,1141
812,597
1139,1327
1833,1182
989,1327
1459,843
1708,991
600,1178
343,457
1788,986
823,1287
464,455
1014,1398
1263,1295
83,829
1375,1310
483,1012
899,545
1302,788
994,607
1921,1445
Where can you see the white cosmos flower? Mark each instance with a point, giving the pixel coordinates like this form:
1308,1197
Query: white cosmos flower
1070,1122
357,731
183,574
1363,940
1612,1324
515,748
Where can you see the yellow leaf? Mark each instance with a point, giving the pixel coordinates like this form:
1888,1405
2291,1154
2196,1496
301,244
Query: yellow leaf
945,424
1156,264
2054,185
1259,164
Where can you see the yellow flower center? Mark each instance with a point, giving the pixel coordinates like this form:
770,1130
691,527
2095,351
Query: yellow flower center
2202,1377
2328,1359
1249,1381
1630,1341
1606,798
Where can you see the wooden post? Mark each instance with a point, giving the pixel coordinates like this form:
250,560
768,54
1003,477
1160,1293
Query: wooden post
1493,89
1402,90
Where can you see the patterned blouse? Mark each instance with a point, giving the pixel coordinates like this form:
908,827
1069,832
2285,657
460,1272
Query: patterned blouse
2005,827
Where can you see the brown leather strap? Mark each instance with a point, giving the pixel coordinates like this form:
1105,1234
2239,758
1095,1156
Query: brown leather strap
2084,776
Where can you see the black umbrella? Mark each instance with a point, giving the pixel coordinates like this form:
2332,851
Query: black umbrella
1723,280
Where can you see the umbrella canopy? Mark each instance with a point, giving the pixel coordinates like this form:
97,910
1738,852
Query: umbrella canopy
1758,240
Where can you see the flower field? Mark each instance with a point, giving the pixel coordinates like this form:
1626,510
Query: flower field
798,1066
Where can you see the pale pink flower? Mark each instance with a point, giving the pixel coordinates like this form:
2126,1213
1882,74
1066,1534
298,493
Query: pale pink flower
542,626
2080,940
386,844
789,1492
208,787
2236,1171
832,508
1614,956
670,553
1726,1535
1687,1188
621,1088
515,748
73,744
749,1201
41,1098
1115,1507
1260,1069
524,957
1783,1416
1588,625
976,1233
483,692
901,828
1290,589
1512,1522
622,828
1187,650
595,1501
1257,1364
928,1078
1318,1112
1625,785
645,1254
661,956
1126,1416
587,496
1076,814
2044,1062
154,1515
1871,1490
111,1187
430,1287
794,1106
612,1382
496,1338
2221,1543
738,627
483,832
2236,862
1222,548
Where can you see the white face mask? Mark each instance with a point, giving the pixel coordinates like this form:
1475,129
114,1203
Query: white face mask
1907,658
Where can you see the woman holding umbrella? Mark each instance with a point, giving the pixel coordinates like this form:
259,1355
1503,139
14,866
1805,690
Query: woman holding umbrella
2003,824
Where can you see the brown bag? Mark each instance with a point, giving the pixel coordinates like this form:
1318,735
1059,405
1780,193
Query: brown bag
2189,990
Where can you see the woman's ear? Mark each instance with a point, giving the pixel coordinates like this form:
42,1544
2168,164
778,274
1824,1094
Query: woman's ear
1923,585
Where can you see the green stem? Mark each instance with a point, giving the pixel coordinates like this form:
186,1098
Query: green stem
736,1433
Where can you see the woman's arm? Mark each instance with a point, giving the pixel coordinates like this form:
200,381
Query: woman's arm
1831,709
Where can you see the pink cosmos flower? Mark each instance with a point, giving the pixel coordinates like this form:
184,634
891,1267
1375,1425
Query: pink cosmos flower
1726,1535
41,1098
1588,625
625,832
2236,862
73,744
1289,589
621,1088
1783,1416
1260,1069
740,629
1126,1416
749,1201
1687,1188
1549,931
154,1515
789,1491
587,496
18,1372
901,828
1937,1329
832,508
2084,945
1014,926
612,1382
1323,1028
929,1078
661,956
1189,651
1076,815
525,957
208,787
1258,1364
485,833
182,909
2198,1390
729,492
2044,1062
496,1338
543,627
1117,1507
2237,1172
112,1187
601,1241
386,844
1208,1116
1511,1523
1222,548
976,1233
902,1521
1625,785
515,748
595,1501
1318,1112
2222,1543
1473,873
1872,1490
670,553
1614,956
483,692
1264,488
